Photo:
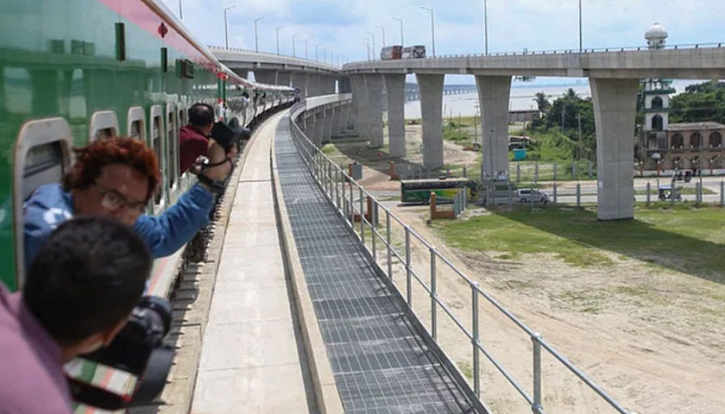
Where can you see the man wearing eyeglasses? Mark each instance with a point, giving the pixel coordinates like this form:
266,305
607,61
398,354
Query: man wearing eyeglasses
116,178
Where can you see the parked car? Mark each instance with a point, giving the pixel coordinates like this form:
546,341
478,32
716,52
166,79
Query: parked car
526,195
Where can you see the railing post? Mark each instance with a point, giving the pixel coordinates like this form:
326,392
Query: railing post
362,216
371,203
408,287
536,408
344,199
337,186
648,195
722,193
329,179
578,195
554,191
475,341
352,206
433,295
390,252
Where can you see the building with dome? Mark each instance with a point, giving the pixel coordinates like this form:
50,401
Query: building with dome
668,147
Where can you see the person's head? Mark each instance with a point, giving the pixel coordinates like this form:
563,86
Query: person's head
85,281
113,178
201,116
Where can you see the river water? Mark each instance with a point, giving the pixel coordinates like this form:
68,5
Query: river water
522,98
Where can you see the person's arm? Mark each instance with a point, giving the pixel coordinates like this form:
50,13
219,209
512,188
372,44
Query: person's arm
175,227
43,212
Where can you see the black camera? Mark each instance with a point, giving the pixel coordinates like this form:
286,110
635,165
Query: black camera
138,350
229,134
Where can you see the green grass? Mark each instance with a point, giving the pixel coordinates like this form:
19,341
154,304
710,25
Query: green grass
682,190
329,149
684,239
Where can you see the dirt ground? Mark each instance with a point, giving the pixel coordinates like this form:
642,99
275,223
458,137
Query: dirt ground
651,337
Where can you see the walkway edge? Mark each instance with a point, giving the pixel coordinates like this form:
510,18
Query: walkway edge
326,393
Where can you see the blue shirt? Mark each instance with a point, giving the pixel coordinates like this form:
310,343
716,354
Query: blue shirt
49,206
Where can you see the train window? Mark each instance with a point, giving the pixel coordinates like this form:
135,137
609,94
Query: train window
172,145
157,144
42,156
136,123
103,125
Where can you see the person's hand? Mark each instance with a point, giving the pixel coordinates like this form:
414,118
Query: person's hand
216,155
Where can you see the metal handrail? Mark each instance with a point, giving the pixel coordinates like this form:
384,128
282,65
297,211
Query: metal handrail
321,167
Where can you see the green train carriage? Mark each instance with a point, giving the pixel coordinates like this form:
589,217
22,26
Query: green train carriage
73,71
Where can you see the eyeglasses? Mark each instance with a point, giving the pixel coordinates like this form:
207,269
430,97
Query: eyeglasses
114,201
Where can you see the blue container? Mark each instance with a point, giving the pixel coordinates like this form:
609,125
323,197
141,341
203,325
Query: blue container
519,154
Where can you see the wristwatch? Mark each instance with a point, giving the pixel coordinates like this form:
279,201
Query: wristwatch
215,186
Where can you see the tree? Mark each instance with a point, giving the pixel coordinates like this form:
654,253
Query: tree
542,102
700,103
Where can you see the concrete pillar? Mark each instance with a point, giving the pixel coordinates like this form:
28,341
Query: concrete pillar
359,105
244,73
615,107
493,96
431,103
395,87
337,121
319,128
283,78
346,120
327,132
374,86
299,80
268,77
313,85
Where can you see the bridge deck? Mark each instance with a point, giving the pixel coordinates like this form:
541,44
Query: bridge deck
380,363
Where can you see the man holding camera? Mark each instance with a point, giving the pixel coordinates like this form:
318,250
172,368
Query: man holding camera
78,295
194,137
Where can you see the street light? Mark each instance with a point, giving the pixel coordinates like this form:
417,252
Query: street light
402,38
324,55
256,38
485,26
181,11
278,29
294,45
367,44
373,36
382,28
307,41
226,32
581,42
317,52
432,28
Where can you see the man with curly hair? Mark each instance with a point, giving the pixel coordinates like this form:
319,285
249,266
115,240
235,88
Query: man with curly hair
116,178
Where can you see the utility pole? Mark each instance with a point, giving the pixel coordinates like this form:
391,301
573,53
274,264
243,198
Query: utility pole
256,37
373,37
402,37
382,28
226,32
278,29
432,28
485,26
581,42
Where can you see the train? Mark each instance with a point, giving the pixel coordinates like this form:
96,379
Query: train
397,52
76,71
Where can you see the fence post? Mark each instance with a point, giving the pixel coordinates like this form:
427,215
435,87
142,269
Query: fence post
531,194
536,172
555,190
648,195
537,373
475,340
698,193
465,172
722,193
578,195
555,168
673,193
590,169
408,286
362,215
433,295
511,195
518,172
573,170
390,253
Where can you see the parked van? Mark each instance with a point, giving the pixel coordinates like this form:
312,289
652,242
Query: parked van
526,195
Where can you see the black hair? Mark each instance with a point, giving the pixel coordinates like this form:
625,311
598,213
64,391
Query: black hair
87,277
201,115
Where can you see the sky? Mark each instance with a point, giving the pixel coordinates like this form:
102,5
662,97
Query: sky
342,26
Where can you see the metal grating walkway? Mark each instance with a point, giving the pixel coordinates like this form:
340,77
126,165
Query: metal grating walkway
381,364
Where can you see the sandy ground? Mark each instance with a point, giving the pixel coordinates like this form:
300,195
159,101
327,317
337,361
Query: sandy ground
651,337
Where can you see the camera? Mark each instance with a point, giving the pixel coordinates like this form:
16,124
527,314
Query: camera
229,134
139,350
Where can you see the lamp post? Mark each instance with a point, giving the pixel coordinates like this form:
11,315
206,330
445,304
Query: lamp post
181,11
432,27
402,37
382,28
294,44
485,26
256,37
372,35
307,41
581,41
317,52
278,29
226,32
324,55
367,44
